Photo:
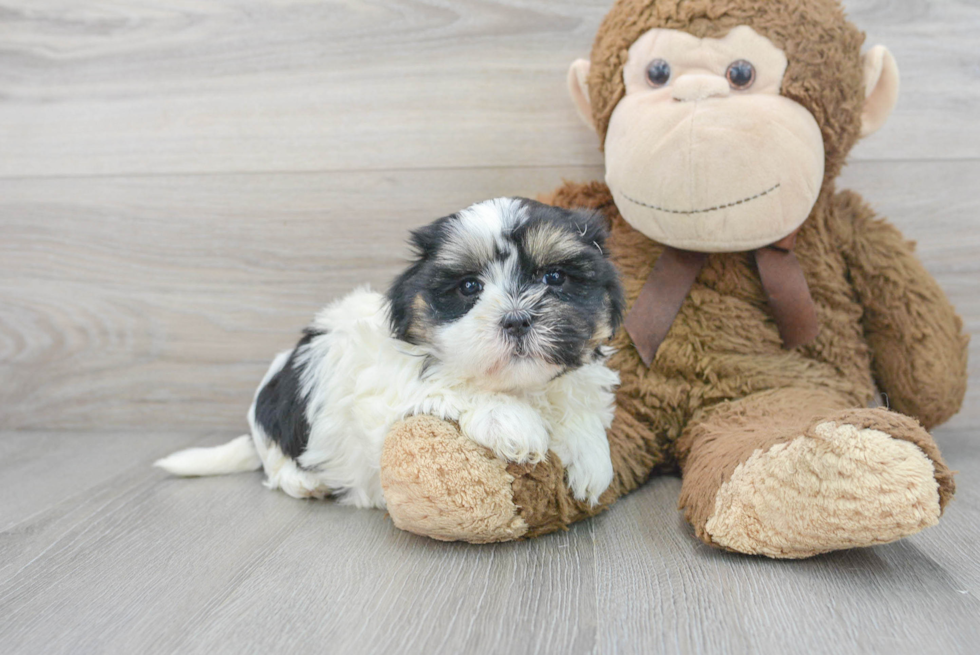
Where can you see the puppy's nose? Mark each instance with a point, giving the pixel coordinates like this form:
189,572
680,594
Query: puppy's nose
516,324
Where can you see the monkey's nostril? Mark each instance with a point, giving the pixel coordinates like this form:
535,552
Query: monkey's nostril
516,325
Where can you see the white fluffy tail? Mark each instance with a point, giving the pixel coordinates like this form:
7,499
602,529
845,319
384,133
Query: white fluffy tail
236,456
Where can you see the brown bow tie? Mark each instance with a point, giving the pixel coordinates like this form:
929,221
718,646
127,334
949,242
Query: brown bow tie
674,274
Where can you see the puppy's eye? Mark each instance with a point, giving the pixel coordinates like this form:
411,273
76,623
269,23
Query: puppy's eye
741,74
470,286
658,73
554,278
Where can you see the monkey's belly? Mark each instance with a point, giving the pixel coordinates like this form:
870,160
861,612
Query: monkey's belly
724,345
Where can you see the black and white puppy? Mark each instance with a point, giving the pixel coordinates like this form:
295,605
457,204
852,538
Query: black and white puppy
499,324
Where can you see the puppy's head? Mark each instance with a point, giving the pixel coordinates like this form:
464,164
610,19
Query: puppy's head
509,293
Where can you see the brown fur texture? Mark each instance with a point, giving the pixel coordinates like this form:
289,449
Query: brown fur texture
723,437
446,487
835,486
722,389
724,348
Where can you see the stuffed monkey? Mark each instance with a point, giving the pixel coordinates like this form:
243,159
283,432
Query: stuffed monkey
764,304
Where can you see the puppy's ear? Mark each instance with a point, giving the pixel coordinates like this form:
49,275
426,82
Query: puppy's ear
593,227
405,289
401,301
425,241
617,300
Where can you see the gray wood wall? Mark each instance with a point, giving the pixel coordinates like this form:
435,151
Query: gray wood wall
182,184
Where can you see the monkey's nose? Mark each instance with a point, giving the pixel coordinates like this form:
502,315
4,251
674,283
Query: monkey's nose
516,324
691,87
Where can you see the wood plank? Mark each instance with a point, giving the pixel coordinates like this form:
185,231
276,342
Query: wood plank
390,592
953,543
661,591
41,470
164,86
159,301
929,39
156,564
183,184
139,559
115,287
64,481
167,86
146,563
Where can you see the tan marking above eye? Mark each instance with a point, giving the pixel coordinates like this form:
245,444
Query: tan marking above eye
546,244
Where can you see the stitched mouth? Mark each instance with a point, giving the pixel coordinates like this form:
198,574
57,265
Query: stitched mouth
706,210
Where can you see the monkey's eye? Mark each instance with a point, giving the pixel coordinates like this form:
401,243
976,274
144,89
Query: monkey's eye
741,74
470,286
554,278
658,73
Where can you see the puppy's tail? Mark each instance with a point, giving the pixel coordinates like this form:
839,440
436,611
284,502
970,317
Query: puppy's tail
236,456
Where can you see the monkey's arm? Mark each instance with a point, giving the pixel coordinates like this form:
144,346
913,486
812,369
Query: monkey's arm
917,342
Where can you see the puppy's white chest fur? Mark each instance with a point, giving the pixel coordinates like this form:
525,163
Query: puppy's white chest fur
358,381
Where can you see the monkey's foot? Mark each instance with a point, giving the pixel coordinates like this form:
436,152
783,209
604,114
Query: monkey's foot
439,484
860,478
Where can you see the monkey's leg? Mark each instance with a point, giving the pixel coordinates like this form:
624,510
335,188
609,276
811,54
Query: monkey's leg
792,473
440,484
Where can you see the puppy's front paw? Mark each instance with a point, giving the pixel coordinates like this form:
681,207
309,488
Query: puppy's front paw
583,448
588,477
513,431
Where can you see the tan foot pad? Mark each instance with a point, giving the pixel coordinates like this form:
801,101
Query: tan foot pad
440,484
839,487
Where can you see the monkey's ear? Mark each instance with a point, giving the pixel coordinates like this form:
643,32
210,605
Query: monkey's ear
880,88
578,87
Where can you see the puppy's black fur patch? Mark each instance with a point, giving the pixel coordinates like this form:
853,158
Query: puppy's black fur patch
280,408
425,243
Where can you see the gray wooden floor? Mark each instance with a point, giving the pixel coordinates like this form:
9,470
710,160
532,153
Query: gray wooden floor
182,184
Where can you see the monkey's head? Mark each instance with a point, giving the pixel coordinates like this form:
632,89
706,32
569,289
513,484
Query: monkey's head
723,120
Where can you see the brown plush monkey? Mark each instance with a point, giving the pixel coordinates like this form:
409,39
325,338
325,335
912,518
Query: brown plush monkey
764,303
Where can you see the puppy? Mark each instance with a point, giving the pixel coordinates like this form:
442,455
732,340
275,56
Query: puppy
499,324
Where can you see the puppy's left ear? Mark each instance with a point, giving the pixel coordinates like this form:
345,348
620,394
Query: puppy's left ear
617,304
594,229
